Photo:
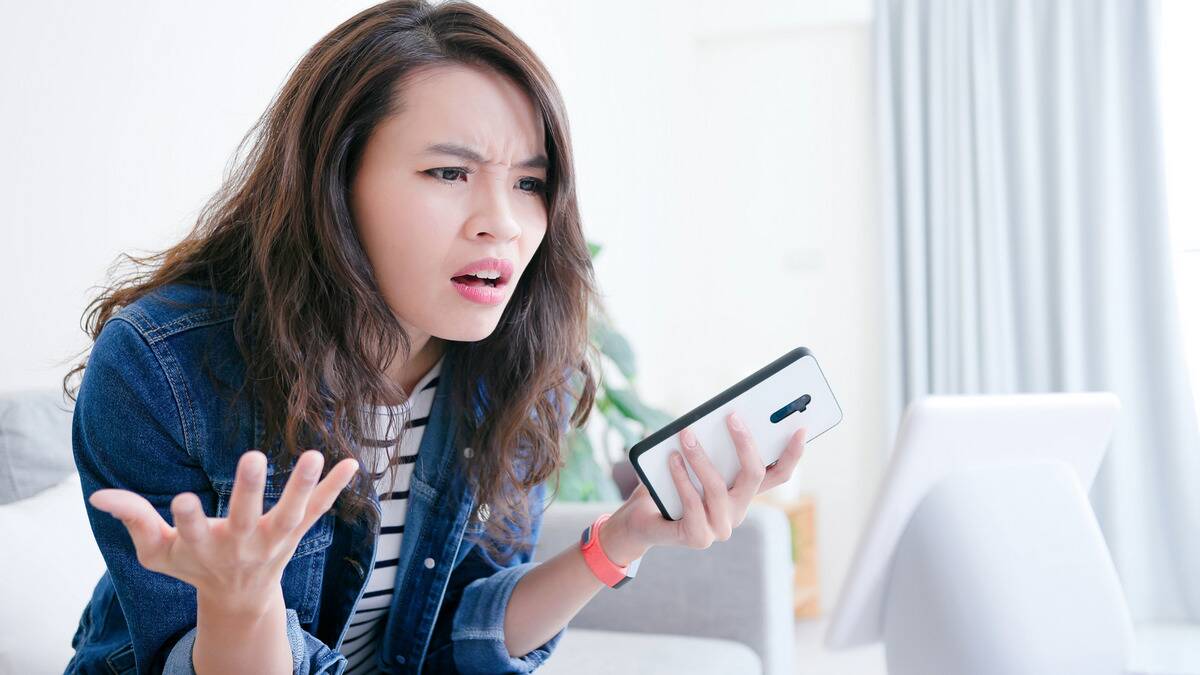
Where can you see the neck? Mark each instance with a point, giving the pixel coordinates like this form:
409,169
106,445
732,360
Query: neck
423,359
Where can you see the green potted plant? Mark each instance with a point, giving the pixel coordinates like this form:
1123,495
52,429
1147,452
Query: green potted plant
619,416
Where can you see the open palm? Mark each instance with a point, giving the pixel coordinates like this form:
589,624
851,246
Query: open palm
243,555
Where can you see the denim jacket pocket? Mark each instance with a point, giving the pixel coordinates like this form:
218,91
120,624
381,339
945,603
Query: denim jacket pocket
305,571
120,661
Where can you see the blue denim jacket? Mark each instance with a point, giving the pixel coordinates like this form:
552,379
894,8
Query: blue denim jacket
148,419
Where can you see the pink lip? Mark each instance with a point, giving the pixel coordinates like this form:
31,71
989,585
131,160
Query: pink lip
484,294
502,265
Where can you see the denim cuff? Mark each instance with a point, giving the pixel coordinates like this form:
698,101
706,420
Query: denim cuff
478,632
179,660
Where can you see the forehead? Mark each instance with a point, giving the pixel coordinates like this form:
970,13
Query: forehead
468,105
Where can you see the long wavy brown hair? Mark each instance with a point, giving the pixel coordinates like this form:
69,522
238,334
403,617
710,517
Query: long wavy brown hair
311,325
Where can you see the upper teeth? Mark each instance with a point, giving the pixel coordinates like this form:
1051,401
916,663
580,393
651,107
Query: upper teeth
487,274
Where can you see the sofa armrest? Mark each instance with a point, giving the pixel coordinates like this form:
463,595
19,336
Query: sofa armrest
740,589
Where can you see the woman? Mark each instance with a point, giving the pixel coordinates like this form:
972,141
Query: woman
396,279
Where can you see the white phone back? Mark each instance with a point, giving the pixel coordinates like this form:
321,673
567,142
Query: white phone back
756,398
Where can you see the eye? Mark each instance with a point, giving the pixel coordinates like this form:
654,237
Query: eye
449,174
531,185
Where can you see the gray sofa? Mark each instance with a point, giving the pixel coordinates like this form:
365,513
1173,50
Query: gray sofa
726,609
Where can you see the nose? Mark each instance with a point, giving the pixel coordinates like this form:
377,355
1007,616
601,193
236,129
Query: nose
493,213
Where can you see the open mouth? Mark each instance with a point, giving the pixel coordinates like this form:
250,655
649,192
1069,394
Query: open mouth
472,280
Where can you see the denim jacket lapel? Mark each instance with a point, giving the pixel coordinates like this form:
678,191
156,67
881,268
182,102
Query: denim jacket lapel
439,507
438,510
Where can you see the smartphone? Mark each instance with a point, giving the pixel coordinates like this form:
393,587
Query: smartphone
782,396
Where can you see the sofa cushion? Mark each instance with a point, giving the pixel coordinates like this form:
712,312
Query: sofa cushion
35,442
585,651
48,569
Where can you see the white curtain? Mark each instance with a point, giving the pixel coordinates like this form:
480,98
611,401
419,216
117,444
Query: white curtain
1028,249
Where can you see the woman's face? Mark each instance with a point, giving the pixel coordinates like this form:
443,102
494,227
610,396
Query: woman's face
458,175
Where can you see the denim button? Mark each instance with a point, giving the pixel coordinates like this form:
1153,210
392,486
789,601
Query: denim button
467,453
429,563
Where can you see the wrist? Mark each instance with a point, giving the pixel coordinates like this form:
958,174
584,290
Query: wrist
242,608
618,543
246,636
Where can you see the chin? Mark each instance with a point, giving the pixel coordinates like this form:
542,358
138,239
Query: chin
470,331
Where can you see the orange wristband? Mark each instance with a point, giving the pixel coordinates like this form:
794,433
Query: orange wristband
608,572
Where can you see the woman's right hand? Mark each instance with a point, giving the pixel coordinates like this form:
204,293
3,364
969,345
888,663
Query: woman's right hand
239,560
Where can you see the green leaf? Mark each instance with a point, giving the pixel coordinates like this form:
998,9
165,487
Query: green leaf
631,405
616,347
582,479
621,423
626,402
602,403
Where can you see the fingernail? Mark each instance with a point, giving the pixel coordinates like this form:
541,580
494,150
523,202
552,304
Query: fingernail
689,439
736,422
253,468
677,459
309,472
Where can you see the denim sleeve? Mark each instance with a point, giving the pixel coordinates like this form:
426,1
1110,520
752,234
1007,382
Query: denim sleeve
132,431
304,648
481,591
468,636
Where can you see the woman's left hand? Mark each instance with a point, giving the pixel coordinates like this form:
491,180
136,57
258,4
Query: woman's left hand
638,524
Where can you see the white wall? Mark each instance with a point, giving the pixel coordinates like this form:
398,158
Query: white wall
726,162
116,123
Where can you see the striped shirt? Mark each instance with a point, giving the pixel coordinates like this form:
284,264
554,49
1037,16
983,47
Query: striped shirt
370,615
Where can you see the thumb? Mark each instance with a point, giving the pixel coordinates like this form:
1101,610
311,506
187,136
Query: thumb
146,527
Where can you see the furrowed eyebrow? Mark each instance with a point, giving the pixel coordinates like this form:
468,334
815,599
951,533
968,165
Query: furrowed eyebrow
456,150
